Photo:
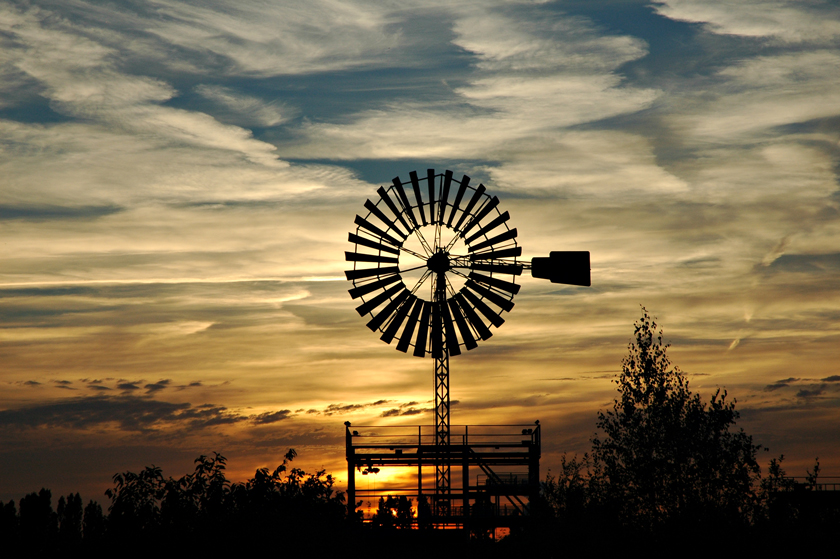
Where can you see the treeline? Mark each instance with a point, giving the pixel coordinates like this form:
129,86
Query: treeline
199,511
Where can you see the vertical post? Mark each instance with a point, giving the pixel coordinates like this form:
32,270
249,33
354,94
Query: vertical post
351,471
443,486
419,463
465,482
534,452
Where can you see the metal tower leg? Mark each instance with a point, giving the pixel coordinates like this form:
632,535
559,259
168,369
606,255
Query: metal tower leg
443,487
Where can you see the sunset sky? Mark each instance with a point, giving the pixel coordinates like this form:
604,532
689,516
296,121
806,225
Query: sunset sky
178,178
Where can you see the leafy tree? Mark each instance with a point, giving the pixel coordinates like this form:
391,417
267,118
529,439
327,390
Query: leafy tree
135,503
70,520
666,458
38,521
405,516
384,516
8,522
93,523
567,494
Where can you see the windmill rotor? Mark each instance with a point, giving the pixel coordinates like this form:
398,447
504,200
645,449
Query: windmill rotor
455,237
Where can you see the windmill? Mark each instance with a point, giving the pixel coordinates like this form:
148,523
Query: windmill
435,264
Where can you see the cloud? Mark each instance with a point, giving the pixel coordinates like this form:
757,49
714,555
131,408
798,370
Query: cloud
811,392
47,212
339,409
808,263
271,417
247,110
157,386
272,38
786,20
128,386
404,410
129,412
532,79
762,93
832,378
78,76
784,383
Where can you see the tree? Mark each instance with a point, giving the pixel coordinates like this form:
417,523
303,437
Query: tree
38,521
93,524
665,458
70,515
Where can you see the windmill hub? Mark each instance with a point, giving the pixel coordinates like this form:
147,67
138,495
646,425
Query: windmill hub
439,262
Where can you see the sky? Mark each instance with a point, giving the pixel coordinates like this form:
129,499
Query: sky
178,178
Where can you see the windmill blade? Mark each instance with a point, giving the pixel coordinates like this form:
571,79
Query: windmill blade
370,272
496,282
466,333
465,182
377,321
353,238
437,334
395,324
491,315
512,269
506,236
404,200
484,332
423,332
485,209
383,194
359,257
368,306
365,224
495,254
567,267
494,298
475,198
449,330
415,184
430,178
408,333
444,197
371,207
489,227
372,286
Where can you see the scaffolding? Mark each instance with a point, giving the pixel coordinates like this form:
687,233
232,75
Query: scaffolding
499,467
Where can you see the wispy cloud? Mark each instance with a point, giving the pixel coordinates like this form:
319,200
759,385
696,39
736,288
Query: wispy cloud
786,20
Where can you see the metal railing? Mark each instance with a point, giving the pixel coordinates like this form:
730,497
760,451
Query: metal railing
505,511
803,483
475,435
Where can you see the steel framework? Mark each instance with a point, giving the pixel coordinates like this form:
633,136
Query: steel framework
499,471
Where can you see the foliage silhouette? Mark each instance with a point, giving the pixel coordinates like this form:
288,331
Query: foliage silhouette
667,459
70,515
38,522
93,524
195,509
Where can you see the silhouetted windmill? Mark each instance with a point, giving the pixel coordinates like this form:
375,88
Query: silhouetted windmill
466,257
